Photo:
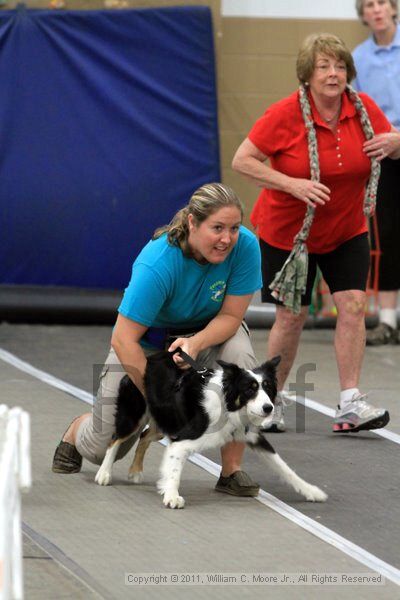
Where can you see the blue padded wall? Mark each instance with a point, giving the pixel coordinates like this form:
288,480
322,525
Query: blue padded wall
108,123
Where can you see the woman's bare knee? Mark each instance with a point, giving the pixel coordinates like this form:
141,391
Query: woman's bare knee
350,304
289,321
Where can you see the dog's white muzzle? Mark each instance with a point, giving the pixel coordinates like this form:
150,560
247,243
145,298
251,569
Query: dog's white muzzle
260,409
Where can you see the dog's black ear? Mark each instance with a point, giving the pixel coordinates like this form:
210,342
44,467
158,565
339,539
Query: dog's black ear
223,363
226,365
229,368
275,361
269,365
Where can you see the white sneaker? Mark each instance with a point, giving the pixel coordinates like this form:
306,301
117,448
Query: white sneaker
277,423
359,415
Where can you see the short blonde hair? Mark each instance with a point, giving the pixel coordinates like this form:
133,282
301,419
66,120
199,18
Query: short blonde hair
322,43
360,9
205,201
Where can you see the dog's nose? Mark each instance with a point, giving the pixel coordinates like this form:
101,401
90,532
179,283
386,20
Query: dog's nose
267,408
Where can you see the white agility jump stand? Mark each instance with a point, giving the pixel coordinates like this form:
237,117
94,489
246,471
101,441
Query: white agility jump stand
15,475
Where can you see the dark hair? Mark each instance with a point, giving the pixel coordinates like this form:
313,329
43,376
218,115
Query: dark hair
205,201
322,43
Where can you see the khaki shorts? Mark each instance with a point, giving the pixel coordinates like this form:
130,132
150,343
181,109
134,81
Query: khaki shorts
95,433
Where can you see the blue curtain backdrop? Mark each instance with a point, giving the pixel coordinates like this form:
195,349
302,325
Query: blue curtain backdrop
108,123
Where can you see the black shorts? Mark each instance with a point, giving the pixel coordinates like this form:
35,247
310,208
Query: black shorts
388,219
345,268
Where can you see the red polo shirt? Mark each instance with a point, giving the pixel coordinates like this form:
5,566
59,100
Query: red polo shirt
281,135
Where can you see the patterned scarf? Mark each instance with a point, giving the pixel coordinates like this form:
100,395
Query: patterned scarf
290,282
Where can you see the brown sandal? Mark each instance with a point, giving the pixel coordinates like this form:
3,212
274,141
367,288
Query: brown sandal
66,459
237,484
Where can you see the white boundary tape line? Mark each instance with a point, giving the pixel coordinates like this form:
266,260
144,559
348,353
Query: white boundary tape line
13,360
320,531
313,527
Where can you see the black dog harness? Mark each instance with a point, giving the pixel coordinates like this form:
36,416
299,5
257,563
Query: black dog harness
203,371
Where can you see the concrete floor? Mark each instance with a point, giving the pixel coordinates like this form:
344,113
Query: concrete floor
81,539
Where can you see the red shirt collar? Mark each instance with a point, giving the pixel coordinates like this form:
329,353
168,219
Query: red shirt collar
348,110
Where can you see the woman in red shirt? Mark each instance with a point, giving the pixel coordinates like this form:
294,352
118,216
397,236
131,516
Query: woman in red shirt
322,151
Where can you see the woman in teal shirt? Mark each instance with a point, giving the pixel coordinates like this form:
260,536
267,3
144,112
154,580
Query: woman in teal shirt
190,287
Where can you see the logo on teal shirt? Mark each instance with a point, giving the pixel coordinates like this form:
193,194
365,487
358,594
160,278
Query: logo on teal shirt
218,291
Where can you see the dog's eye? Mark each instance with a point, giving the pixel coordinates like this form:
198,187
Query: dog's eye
266,385
251,390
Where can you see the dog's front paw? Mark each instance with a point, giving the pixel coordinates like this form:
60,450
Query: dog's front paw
315,494
136,476
173,501
103,477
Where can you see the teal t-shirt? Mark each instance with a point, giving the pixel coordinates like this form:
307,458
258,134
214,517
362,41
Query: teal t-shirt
169,290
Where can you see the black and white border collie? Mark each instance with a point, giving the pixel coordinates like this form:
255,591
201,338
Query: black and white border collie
197,411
